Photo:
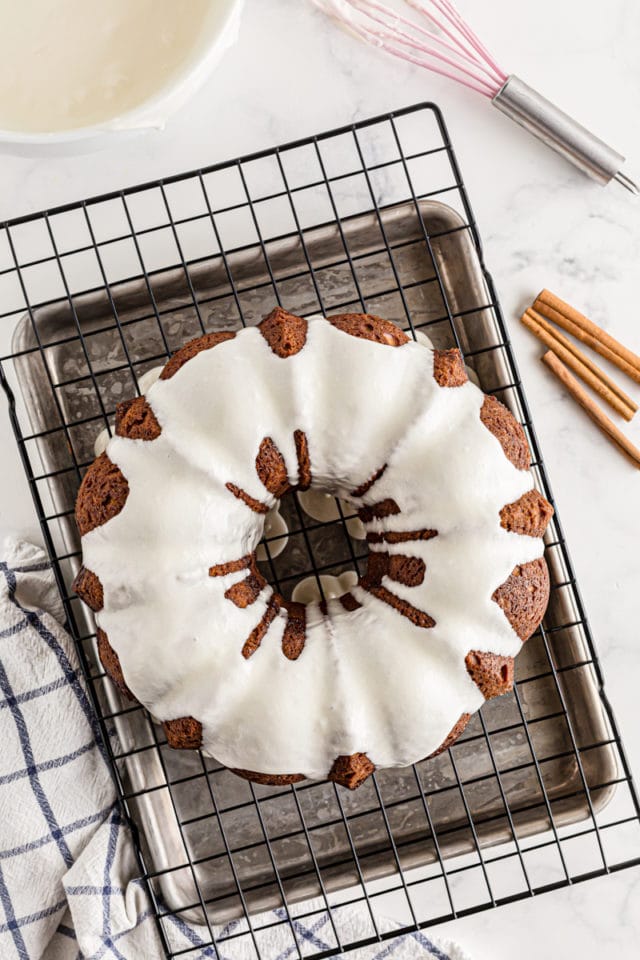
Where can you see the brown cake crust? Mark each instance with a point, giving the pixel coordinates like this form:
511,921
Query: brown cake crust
256,505
455,732
367,326
492,674
246,592
136,420
304,460
111,663
285,333
295,632
257,635
269,779
272,468
529,516
102,494
448,368
506,429
524,596
418,617
352,771
366,486
349,602
191,349
400,536
407,570
378,511
185,733
88,587
232,566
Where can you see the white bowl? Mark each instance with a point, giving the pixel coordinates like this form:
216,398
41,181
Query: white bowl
218,35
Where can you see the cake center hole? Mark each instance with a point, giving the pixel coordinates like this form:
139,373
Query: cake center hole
313,547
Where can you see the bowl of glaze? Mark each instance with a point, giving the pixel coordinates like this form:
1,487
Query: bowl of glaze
76,74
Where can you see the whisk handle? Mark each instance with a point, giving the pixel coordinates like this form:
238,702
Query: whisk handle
561,132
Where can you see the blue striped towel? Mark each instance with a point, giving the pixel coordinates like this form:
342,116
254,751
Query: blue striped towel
68,884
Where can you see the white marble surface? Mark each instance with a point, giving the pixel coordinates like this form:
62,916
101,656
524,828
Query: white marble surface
293,74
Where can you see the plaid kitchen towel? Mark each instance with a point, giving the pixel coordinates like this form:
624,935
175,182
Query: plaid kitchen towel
68,884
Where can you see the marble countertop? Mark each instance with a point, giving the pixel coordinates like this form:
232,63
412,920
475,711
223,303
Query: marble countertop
294,73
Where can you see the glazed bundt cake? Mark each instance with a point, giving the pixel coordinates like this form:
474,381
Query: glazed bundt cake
171,515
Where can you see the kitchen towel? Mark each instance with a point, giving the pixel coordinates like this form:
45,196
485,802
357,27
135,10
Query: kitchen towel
68,875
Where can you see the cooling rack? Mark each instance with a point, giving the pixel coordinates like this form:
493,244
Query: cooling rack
537,794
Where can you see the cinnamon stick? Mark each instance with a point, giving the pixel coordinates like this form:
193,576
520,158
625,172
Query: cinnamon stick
591,408
580,363
588,332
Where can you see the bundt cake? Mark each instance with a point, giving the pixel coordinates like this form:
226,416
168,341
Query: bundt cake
171,515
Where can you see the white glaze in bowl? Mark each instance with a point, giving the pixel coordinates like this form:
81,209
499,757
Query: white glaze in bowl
217,31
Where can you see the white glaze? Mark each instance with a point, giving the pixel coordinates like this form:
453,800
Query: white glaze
319,505
73,63
324,507
308,590
367,681
356,528
147,379
101,442
274,526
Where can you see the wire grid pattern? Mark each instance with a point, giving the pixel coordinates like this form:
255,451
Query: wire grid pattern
373,217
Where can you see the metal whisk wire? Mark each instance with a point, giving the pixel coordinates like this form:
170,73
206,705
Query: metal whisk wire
444,43
441,41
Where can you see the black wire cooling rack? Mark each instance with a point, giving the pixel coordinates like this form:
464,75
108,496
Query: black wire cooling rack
537,794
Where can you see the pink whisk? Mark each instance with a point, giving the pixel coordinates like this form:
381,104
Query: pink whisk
441,41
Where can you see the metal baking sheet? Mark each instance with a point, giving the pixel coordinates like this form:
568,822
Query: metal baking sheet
187,831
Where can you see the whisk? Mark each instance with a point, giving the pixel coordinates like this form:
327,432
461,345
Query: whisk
441,41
